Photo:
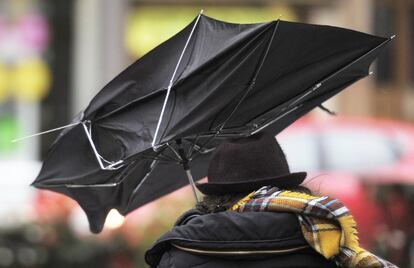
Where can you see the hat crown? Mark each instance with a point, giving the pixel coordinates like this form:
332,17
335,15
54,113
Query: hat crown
247,159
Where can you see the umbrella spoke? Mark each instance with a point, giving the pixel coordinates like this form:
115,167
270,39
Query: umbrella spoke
111,165
199,150
179,158
190,150
138,187
159,157
170,85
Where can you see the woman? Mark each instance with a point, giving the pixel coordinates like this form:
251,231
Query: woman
256,214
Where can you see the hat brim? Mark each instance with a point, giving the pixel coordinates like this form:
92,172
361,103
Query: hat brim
282,181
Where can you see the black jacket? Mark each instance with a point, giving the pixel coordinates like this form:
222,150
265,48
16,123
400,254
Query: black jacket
232,239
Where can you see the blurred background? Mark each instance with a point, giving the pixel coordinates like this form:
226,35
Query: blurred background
55,55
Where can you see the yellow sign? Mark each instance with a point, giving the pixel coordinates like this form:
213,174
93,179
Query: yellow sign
27,80
147,27
30,80
4,82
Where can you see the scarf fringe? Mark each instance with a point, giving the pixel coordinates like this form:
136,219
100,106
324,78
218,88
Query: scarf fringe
350,233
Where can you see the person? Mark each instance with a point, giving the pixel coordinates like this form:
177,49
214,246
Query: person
255,213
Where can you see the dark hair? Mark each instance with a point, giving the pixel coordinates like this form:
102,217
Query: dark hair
218,203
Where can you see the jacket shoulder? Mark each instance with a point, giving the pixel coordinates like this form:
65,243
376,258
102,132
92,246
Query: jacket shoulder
230,236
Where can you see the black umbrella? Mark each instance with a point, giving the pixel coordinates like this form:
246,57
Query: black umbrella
169,109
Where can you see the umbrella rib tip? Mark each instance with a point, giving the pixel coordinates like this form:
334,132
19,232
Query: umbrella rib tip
393,36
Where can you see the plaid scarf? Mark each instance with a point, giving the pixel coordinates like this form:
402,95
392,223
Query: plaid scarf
325,222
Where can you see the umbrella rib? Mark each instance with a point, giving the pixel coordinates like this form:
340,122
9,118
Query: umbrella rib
112,165
253,81
98,155
205,144
179,158
150,157
152,166
318,85
203,150
161,157
274,120
107,185
102,185
169,158
356,60
290,106
45,132
172,79
190,151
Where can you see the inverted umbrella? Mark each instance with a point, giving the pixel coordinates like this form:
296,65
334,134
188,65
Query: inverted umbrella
171,108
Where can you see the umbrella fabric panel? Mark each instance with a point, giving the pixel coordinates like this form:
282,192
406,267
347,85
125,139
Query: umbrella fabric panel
198,100
129,131
97,200
152,72
133,187
330,88
72,161
148,74
215,40
89,200
288,74
166,178
292,66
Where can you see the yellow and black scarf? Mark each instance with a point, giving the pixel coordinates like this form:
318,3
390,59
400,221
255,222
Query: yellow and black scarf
326,224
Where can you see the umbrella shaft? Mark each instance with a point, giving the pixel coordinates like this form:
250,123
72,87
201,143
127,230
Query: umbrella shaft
191,180
186,166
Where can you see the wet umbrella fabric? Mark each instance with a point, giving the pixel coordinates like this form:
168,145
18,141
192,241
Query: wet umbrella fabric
231,80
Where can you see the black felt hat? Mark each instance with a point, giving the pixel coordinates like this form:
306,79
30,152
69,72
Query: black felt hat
247,164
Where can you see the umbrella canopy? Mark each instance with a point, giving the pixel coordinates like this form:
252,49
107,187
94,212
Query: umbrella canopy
170,109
